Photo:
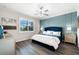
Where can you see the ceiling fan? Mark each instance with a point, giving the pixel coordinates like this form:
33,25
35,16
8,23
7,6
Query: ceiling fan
42,11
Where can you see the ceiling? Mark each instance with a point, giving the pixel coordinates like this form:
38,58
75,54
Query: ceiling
32,9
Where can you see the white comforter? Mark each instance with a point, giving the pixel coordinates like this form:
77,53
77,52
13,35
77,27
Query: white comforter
49,40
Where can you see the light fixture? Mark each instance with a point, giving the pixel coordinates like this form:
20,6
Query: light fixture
42,29
69,28
42,11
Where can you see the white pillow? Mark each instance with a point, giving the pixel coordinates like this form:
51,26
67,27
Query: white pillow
47,33
56,33
52,33
44,32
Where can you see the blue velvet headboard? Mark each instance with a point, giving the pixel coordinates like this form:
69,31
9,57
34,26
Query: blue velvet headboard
58,29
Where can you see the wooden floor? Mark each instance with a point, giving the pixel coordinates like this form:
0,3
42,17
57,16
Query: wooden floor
28,48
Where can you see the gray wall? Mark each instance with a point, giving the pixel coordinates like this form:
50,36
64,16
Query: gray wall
61,21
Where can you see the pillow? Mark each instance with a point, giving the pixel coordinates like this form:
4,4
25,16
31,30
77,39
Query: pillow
44,32
47,33
52,33
56,33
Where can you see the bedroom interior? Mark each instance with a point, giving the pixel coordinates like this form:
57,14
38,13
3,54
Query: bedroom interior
39,29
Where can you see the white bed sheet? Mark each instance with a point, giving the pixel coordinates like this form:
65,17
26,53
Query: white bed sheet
49,40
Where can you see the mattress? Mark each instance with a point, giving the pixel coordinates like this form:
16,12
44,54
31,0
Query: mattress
49,40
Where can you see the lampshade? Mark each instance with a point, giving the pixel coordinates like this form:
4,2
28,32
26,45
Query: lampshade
42,29
69,28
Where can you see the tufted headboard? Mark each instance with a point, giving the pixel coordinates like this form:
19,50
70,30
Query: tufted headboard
57,29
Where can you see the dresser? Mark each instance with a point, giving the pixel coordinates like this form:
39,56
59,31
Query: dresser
78,37
70,38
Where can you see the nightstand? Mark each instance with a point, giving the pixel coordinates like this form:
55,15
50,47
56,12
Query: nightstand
70,38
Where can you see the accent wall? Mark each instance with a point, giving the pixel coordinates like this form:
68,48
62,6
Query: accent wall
63,21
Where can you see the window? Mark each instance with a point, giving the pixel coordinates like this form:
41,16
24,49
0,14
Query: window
25,25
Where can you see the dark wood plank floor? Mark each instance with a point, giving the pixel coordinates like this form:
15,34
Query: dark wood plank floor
29,48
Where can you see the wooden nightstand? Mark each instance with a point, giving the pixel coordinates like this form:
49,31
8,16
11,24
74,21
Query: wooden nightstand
70,38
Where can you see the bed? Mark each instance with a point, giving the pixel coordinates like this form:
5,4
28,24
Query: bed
49,41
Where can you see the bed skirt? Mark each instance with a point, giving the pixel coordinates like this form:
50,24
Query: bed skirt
44,45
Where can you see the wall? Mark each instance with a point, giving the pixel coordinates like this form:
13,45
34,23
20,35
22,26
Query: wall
61,21
5,12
